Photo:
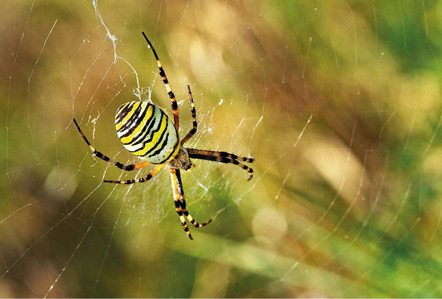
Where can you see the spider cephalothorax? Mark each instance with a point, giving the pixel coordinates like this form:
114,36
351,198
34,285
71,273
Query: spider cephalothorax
147,132
181,160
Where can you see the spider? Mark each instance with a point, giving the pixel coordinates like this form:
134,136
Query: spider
147,132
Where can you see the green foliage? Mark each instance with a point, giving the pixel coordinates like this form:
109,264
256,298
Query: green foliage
338,101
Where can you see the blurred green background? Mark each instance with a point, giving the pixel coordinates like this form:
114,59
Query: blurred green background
338,101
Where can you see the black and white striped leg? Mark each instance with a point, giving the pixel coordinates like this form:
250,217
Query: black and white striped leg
166,84
140,180
195,124
180,203
106,158
222,157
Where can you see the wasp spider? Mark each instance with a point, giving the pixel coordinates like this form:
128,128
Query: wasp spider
147,132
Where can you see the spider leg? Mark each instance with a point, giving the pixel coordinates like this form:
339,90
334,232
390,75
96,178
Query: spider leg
106,158
222,157
140,180
195,124
166,84
180,203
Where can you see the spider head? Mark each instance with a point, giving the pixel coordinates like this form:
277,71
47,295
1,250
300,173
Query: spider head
181,160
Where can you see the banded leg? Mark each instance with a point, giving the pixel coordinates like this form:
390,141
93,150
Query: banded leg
106,158
222,157
180,203
140,180
166,84
195,124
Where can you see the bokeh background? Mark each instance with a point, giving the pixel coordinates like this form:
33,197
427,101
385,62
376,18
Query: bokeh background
338,101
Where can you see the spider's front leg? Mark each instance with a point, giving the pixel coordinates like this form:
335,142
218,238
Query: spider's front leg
180,203
222,157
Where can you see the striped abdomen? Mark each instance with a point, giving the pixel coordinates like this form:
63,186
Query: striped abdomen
147,132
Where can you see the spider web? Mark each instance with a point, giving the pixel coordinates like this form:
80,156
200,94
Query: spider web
339,103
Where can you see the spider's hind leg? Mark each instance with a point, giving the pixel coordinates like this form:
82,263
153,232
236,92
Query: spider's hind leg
106,158
175,110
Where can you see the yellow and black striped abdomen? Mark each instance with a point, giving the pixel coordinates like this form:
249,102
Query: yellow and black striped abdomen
147,132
